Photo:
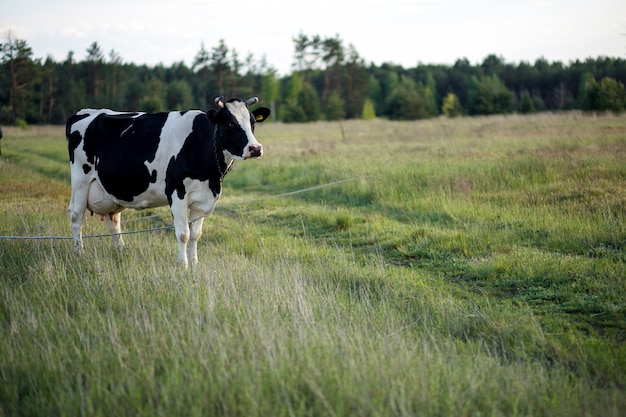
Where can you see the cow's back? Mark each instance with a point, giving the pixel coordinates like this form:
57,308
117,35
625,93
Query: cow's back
130,153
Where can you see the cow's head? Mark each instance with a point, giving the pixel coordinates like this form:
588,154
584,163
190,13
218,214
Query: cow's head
234,125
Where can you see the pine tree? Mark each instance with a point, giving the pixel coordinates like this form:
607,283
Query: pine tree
526,105
95,61
335,107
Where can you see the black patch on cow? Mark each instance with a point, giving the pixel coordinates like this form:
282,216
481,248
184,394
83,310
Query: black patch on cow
153,178
123,144
198,159
86,168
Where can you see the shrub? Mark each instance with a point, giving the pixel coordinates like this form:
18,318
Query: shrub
21,123
607,95
151,104
451,106
489,95
369,110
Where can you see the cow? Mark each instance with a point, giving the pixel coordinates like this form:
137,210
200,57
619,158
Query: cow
121,160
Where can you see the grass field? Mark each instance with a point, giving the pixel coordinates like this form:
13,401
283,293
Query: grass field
469,267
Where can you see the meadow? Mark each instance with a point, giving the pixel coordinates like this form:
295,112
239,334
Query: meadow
447,267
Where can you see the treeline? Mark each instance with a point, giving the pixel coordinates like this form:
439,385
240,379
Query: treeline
330,81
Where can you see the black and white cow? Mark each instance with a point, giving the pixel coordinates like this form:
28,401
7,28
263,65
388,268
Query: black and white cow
122,160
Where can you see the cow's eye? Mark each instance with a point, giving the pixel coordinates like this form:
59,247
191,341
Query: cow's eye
230,125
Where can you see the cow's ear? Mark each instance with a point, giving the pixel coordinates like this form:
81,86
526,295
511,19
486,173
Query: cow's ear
261,114
212,115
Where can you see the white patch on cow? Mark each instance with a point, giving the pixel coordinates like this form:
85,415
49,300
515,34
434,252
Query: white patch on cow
199,196
176,129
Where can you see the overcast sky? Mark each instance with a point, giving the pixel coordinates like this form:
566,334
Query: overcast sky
402,32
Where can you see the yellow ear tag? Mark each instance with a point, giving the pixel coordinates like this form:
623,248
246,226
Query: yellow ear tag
259,117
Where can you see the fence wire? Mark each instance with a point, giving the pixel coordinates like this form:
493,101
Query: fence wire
158,229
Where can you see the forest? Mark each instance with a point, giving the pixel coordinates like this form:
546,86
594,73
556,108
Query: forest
329,81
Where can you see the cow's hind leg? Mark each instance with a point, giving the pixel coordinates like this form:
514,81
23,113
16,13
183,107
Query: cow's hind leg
76,211
195,227
77,218
114,223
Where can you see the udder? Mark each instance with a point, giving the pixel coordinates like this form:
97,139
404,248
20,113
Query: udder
100,202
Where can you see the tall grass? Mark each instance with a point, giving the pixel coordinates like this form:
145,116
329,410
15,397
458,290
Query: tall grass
472,267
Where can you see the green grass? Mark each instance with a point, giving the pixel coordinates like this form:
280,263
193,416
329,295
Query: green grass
470,267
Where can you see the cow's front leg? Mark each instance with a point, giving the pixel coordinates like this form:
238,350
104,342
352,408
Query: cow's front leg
181,225
115,228
195,227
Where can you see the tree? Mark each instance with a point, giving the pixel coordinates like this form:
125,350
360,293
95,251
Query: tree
306,107
309,102
429,101
200,66
95,60
358,84
153,99
607,95
335,107
219,64
70,95
236,65
526,105
179,95
431,84
16,55
134,93
332,54
613,96
586,81
307,52
369,110
451,106
271,90
151,104
403,103
460,76
291,112
538,103
492,65
48,91
113,81
294,85
410,101
488,95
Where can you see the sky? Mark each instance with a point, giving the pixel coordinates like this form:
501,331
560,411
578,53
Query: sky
402,32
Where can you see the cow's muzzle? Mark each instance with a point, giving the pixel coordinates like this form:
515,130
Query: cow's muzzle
254,151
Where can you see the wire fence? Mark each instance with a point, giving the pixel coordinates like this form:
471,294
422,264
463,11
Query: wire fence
158,229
